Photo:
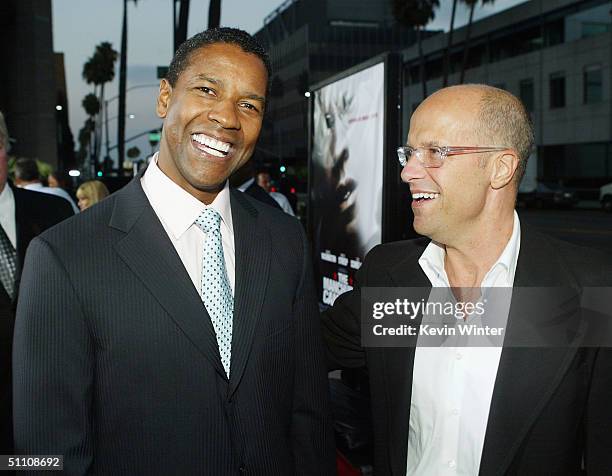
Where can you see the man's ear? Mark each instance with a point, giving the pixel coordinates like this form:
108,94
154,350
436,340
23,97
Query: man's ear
504,169
163,98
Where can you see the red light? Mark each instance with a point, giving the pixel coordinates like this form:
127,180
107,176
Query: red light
292,190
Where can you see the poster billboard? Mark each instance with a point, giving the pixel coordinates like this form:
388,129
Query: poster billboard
347,170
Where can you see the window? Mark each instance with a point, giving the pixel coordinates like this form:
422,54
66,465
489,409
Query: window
526,92
594,28
592,79
554,33
557,90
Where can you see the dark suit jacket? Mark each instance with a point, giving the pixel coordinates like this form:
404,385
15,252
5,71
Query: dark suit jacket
550,406
116,364
34,213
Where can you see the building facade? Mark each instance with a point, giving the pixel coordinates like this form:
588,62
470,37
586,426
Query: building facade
27,79
309,41
556,56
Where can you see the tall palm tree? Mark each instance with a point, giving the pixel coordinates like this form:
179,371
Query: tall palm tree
122,88
214,13
447,52
471,4
92,107
416,14
99,70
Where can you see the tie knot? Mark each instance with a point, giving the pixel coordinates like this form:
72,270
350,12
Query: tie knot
209,220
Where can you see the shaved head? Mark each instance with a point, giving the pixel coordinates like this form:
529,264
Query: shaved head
500,118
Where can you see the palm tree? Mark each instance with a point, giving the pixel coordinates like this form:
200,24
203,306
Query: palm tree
99,70
471,4
214,13
122,89
92,107
447,52
416,14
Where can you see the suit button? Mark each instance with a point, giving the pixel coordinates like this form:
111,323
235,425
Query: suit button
242,469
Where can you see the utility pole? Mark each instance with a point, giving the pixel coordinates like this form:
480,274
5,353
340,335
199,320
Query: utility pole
180,24
122,94
214,14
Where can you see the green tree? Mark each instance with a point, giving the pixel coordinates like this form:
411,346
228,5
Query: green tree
416,14
471,4
99,70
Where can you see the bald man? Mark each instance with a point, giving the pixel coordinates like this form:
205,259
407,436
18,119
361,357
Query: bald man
457,408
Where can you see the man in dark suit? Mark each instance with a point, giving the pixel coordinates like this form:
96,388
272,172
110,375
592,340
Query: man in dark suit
165,331
524,408
23,215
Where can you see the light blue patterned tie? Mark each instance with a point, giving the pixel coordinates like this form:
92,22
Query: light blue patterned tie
215,290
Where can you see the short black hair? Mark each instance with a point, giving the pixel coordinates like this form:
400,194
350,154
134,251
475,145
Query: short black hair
233,36
26,169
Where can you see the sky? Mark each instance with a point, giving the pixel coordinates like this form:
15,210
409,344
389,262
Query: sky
80,25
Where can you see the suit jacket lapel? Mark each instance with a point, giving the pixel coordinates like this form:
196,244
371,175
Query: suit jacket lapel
527,377
398,363
149,253
252,244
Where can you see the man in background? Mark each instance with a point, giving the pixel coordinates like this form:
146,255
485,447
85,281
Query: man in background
263,179
27,176
23,215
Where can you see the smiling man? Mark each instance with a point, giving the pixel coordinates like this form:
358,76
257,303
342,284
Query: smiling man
460,409
160,332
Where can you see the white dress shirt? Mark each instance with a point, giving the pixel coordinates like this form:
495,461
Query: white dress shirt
452,387
58,192
7,214
177,210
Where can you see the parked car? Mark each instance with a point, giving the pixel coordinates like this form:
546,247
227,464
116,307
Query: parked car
605,197
548,195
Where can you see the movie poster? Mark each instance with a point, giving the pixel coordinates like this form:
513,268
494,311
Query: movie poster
347,177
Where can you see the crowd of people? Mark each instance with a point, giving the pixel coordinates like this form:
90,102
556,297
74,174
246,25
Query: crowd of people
173,328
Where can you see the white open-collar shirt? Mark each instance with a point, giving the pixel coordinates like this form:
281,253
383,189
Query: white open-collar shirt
178,210
452,387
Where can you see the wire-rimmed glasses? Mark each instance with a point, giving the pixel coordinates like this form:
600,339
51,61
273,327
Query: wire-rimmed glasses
434,156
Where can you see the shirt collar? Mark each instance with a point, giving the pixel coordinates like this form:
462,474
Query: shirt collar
178,208
432,259
34,186
6,197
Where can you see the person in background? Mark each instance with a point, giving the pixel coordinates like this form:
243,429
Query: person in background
90,193
60,179
244,180
27,176
263,180
23,215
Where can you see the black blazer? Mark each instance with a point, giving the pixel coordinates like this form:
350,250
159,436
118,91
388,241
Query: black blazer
116,364
549,406
34,213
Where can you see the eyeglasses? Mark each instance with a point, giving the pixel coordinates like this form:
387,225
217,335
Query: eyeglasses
432,157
